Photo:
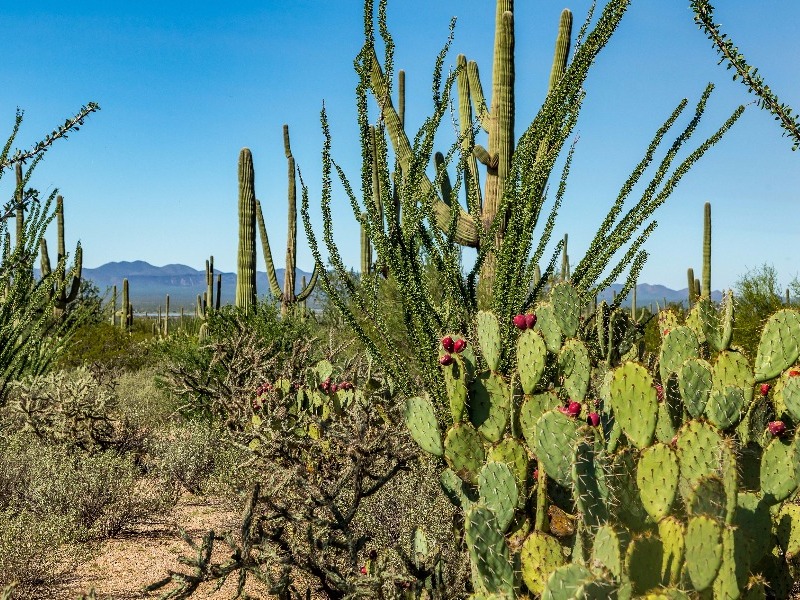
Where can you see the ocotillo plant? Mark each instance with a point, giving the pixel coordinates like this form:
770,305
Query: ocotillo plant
62,297
287,297
246,256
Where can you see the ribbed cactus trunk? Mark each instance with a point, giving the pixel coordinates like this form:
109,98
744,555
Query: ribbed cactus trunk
246,256
114,306
690,281
63,297
291,235
706,288
125,313
166,317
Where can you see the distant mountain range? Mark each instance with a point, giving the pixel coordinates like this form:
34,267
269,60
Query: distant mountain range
149,285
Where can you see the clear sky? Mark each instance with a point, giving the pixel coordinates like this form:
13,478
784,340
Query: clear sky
184,85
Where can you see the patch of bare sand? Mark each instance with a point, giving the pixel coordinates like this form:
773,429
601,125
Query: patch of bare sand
124,565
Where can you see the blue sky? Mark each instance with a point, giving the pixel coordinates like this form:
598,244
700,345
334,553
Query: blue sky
183,86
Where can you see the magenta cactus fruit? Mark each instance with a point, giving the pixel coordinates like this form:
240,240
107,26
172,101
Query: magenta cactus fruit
660,392
363,570
574,409
445,359
765,389
530,321
794,373
334,388
459,345
447,343
593,419
520,322
776,428
326,385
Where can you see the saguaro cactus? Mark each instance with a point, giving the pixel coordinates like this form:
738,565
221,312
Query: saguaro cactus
59,290
706,288
126,311
246,257
287,296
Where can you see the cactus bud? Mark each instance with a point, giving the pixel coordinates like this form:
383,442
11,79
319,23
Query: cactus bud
530,321
445,360
776,428
447,343
520,322
459,345
765,389
794,373
593,419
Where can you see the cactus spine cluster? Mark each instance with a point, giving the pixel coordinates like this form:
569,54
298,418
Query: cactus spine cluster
287,297
63,292
652,481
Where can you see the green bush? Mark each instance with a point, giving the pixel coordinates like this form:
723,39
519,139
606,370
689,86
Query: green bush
103,344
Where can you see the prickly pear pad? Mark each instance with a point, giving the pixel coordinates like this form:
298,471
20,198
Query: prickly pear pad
566,307
531,356
498,491
490,401
421,421
635,403
657,477
694,383
564,582
703,550
541,554
488,329
488,550
679,344
573,362
643,562
608,549
780,464
463,451
548,326
556,435
673,539
779,346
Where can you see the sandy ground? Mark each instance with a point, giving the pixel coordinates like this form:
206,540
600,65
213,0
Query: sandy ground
123,566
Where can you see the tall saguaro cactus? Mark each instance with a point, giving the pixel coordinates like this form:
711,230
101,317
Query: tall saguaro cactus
246,256
706,288
287,297
63,297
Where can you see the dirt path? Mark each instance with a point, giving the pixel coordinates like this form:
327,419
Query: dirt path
126,564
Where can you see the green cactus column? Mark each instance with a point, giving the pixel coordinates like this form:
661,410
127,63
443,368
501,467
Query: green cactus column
706,288
114,307
246,256
690,281
126,313
59,288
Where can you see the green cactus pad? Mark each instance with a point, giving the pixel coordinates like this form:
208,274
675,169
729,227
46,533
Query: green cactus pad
695,322
564,582
707,497
455,381
751,429
698,453
755,589
735,567
421,422
531,409
490,403
588,491
547,325
488,551
624,502
498,491
670,412
753,519
643,563
489,339
667,321
677,346
540,556
531,357
635,403
780,466
459,492
779,347
608,550
463,451
573,362
694,383
703,550
717,324
566,308
672,533
657,476
790,394
725,407
512,452
667,594
597,589
732,369
788,530
556,435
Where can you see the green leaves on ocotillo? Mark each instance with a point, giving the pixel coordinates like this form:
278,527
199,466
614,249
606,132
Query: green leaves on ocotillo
531,357
635,403
780,468
679,344
547,325
694,383
488,551
488,330
588,491
540,556
643,563
455,382
657,476
672,533
790,393
498,491
573,362
565,581
566,308
421,421
779,347
556,435
489,406
463,451
703,550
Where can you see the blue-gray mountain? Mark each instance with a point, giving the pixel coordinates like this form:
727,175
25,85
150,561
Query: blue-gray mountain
149,285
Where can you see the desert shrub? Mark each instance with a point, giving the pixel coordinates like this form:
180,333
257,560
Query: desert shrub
104,344
758,295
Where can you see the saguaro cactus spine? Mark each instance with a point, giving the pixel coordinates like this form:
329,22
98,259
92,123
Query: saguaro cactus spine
246,256
62,297
287,297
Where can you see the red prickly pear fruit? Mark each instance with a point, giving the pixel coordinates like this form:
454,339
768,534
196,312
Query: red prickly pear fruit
794,373
530,321
459,345
574,409
520,322
665,332
363,570
326,385
334,388
447,343
445,359
563,410
593,419
776,428
536,474
660,392
765,389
